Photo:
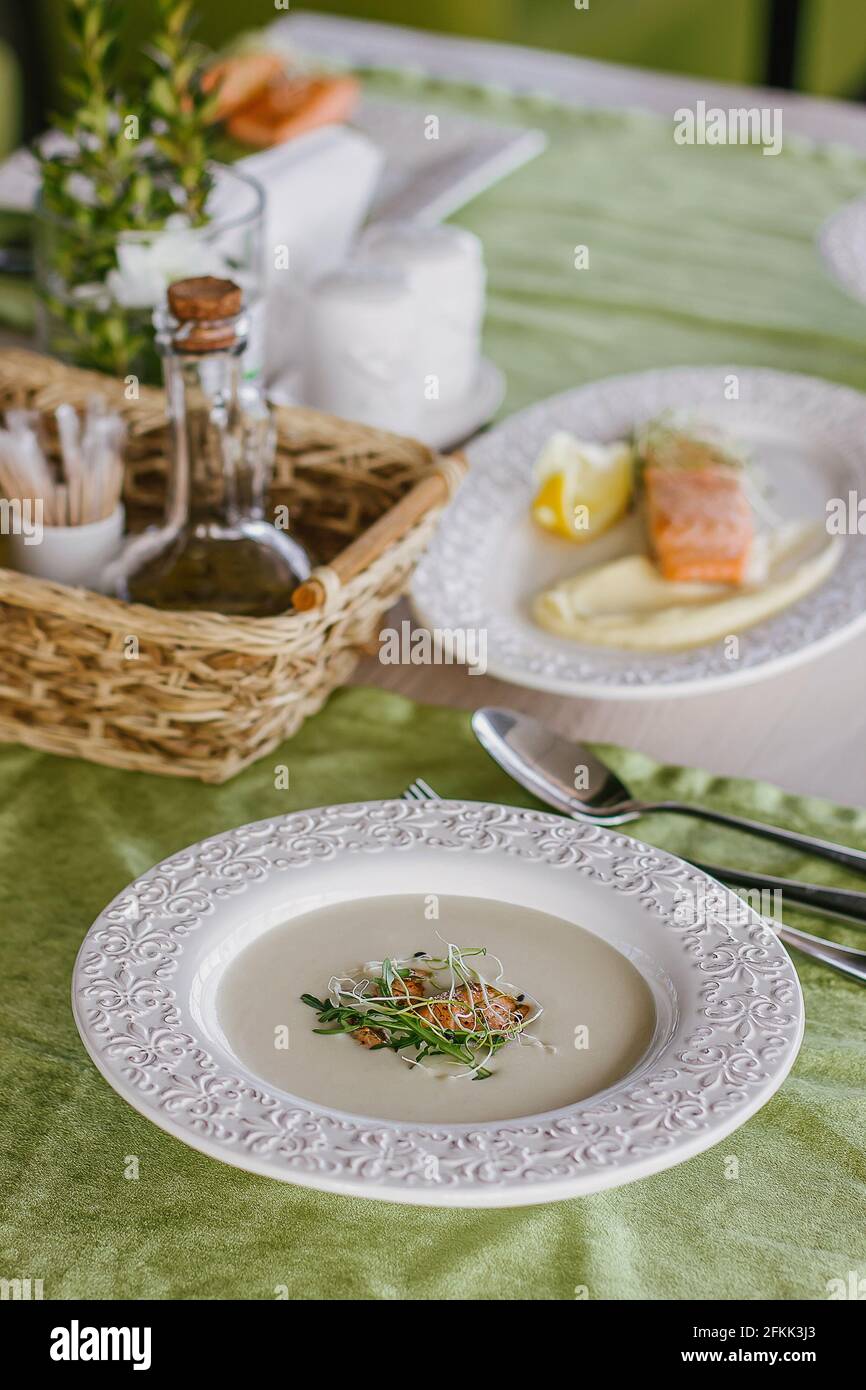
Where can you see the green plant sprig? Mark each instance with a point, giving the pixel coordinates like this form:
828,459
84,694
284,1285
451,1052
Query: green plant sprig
180,110
132,160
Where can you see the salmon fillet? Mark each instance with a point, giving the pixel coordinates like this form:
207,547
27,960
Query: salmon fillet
700,523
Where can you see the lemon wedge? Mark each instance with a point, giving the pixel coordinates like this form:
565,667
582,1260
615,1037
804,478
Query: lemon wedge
582,488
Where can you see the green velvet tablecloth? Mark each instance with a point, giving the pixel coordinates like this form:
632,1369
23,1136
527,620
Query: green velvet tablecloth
696,255
72,835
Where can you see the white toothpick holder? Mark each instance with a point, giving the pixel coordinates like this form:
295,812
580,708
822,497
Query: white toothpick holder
73,555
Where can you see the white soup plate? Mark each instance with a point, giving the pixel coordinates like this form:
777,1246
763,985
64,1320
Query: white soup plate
728,1006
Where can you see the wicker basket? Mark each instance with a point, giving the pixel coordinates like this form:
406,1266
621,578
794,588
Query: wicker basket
206,695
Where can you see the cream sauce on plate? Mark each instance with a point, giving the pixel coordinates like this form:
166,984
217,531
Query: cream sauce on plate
626,603
583,983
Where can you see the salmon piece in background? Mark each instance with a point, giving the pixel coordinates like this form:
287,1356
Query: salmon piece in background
700,523
292,107
262,105
240,79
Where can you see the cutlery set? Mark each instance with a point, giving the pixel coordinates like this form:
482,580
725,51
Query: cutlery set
571,780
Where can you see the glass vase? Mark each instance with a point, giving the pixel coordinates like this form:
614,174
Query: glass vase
97,291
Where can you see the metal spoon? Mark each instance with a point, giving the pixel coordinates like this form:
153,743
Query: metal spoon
524,746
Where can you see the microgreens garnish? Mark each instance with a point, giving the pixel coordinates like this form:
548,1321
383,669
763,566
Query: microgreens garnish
665,443
436,1006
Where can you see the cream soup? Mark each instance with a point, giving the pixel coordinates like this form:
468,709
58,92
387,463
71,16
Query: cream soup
597,1022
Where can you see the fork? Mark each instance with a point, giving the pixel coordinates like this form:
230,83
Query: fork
846,959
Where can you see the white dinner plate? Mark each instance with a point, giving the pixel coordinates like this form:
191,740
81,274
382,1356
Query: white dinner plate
728,1006
842,243
488,559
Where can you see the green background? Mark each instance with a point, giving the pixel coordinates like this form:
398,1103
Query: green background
703,37
726,41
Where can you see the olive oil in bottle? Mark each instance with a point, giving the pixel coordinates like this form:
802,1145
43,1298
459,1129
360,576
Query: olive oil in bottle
216,551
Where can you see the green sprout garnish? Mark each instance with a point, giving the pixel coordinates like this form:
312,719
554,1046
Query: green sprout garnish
663,443
434,1006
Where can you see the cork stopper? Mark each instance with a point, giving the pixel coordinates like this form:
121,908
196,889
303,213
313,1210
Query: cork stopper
206,306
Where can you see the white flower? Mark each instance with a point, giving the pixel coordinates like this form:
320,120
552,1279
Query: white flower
147,264
79,187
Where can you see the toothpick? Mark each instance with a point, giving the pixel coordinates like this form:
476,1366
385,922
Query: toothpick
90,485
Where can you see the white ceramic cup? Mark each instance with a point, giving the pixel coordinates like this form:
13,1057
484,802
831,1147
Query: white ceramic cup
444,268
73,555
361,322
